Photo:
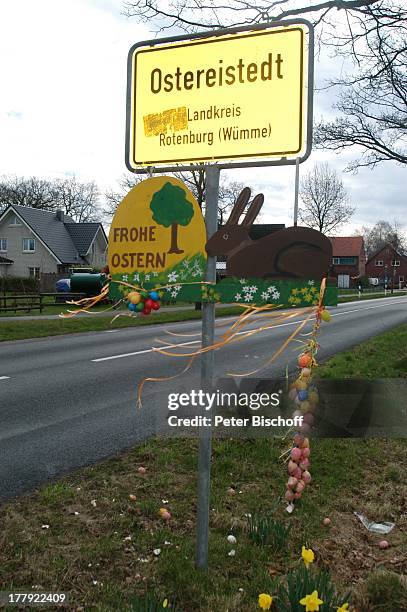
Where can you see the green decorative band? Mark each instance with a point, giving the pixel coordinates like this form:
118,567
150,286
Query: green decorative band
176,287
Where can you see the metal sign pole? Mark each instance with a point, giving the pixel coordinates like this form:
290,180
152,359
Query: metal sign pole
297,184
207,373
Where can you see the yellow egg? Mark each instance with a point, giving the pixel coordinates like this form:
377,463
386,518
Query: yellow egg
134,297
300,384
325,316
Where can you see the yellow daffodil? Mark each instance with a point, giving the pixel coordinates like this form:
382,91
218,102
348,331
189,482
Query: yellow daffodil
311,602
265,601
307,555
165,603
344,608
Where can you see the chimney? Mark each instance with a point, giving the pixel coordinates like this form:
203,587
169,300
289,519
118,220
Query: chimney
60,215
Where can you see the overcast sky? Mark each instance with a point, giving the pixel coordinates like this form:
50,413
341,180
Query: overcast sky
62,108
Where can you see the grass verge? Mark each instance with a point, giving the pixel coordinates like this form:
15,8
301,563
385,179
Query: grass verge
384,356
39,327
86,535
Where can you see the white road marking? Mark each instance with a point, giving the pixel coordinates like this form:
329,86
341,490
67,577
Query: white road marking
150,350
4,377
111,331
333,314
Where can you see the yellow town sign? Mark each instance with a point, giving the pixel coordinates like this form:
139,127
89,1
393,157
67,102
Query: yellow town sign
238,95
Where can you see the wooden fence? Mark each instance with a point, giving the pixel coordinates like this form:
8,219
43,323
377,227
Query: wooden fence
29,302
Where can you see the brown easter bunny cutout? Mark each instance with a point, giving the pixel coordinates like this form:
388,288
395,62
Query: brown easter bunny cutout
291,253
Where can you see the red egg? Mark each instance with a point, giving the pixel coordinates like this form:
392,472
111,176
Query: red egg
308,419
292,466
156,306
304,465
146,310
304,360
292,482
298,439
148,303
295,454
306,476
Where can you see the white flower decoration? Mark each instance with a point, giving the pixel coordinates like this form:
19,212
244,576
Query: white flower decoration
275,295
238,297
136,277
172,277
248,297
125,277
147,277
185,263
311,282
242,281
175,290
265,296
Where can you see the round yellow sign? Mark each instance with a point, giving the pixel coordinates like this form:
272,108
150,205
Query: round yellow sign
157,235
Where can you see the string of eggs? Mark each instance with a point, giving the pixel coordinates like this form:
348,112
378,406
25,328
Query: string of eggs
305,397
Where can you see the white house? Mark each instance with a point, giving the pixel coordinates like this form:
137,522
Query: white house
34,241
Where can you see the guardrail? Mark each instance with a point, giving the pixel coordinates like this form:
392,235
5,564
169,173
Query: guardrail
35,301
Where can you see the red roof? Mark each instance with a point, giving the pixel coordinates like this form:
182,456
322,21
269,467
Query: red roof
347,246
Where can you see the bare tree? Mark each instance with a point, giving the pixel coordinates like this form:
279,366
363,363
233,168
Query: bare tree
22,191
381,234
193,179
113,197
77,199
196,15
325,203
371,34
372,101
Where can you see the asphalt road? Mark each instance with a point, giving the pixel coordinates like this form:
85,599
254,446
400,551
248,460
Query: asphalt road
69,401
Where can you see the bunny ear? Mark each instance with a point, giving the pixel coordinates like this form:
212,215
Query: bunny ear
254,210
239,206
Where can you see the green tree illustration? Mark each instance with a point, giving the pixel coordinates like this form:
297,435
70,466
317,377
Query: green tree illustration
171,208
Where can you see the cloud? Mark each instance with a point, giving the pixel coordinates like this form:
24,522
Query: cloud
14,114
62,109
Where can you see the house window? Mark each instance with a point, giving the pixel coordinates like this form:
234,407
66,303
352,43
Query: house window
15,220
28,245
395,262
3,245
344,261
378,262
34,272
